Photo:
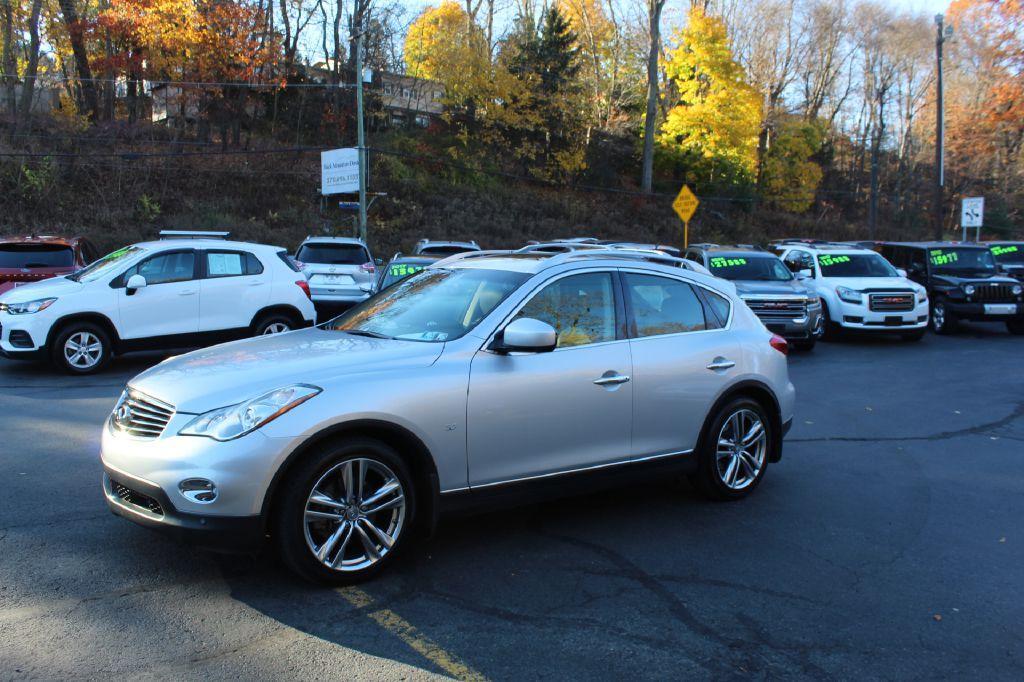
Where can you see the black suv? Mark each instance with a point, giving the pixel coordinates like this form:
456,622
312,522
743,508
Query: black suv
963,283
766,285
1009,257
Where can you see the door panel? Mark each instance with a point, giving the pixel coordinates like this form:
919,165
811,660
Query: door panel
229,297
169,304
531,414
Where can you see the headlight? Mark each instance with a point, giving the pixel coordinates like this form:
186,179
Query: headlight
234,421
28,307
969,289
848,295
1017,290
922,295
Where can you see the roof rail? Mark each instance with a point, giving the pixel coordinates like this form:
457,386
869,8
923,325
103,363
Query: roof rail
544,247
454,258
625,254
192,234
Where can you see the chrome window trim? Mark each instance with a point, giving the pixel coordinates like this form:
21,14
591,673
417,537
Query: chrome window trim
563,472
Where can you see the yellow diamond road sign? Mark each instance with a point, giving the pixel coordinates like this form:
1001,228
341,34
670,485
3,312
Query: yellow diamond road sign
685,204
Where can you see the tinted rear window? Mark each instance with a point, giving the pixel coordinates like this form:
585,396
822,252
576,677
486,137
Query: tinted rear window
333,254
444,250
36,256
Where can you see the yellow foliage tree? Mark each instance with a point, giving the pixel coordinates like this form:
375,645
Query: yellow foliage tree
716,116
445,45
789,176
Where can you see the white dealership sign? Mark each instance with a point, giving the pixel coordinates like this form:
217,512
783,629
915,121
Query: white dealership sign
339,171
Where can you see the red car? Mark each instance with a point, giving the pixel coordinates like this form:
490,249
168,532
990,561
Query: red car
32,258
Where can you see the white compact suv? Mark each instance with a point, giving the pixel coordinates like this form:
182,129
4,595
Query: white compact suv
481,376
339,269
175,293
859,289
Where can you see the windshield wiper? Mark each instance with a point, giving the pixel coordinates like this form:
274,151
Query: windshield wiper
367,332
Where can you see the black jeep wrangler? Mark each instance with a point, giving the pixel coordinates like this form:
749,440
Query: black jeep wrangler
963,283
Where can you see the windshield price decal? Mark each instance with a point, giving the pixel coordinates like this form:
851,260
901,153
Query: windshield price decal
404,269
828,260
721,262
1000,250
940,258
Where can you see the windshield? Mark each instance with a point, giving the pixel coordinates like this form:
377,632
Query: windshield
399,271
432,305
855,265
332,254
755,268
36,256
1009,253
104,266
960,260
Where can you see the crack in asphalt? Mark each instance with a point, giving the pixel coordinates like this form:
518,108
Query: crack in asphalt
980,429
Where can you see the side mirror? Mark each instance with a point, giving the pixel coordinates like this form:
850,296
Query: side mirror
134,283
378,261
804,273
901,272
526,335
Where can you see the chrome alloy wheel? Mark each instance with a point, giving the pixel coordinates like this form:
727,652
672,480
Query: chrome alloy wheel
83,350
939,317
354,515
742,447
276,328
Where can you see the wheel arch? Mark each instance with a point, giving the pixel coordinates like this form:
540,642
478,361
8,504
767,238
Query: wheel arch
279,309
95,318
408,446
764,396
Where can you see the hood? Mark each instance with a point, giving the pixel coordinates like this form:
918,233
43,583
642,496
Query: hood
956,280
791,288
232,372
47,288
871,283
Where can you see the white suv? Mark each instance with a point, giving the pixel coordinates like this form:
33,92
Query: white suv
859,289
167,294
339,269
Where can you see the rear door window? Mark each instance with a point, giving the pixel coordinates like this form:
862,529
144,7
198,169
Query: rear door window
661,305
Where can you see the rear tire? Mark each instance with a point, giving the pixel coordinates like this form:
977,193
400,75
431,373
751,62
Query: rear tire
1015,327
731,466
359,520
275,323
81,348
942,321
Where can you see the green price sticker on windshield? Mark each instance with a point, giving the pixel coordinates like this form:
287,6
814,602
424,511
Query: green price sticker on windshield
404,269
827,260
940,258
722,262
1003,250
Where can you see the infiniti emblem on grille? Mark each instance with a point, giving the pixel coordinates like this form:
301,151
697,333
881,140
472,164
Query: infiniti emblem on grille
123,414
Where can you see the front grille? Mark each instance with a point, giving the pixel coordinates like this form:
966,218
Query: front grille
891,303
140,415
135,498
777,309
994,293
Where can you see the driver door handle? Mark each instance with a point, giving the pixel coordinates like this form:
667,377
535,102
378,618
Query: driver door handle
612,380
187,293
721,363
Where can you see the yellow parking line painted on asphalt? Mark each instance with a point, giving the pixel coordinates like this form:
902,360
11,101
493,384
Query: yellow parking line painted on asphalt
407,632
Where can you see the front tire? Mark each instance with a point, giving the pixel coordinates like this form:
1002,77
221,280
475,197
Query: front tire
734,451
345,512
81,348
942,321
833,330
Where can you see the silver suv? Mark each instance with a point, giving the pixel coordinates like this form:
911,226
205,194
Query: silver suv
481,375
339,269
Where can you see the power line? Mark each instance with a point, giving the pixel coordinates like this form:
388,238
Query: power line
153,83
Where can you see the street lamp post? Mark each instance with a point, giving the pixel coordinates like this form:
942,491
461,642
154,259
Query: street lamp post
361,134
942,34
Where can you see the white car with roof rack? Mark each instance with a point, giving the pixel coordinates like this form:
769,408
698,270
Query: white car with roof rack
859,289
186,290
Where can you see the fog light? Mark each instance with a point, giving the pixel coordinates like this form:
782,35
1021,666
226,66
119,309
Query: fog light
198,490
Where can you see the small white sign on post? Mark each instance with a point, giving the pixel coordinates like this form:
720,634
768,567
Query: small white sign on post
972,213
339,171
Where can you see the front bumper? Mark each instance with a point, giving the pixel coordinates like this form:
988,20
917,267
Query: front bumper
146,504
976,311
810,326
35,327
859,316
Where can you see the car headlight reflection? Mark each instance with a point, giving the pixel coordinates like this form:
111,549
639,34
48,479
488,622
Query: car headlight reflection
849,295
29,307
235,421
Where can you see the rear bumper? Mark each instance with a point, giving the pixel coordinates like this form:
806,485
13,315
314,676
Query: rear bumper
147,505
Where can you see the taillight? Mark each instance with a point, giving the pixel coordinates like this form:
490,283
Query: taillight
368,267
304,285
780,344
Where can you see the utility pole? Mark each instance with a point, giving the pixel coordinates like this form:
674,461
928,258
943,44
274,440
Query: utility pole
942,34
361,132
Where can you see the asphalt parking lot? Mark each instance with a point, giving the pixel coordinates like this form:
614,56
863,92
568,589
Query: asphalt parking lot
886,544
